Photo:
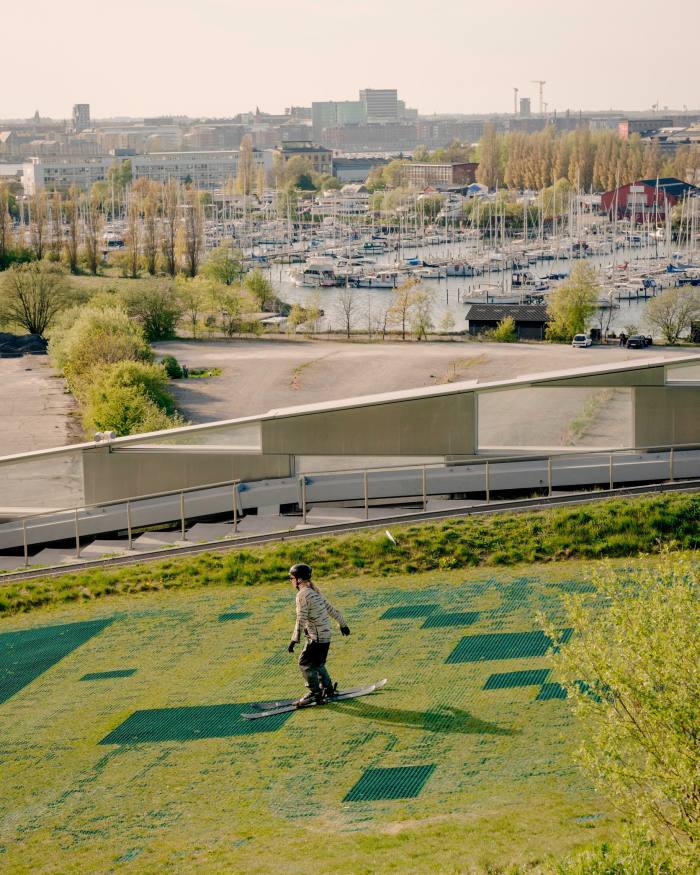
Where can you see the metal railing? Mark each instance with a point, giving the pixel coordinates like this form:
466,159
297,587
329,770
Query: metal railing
306,479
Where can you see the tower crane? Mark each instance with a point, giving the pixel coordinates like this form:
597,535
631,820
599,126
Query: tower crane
541,83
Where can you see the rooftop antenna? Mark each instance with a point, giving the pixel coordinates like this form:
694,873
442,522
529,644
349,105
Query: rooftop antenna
541,83
515,100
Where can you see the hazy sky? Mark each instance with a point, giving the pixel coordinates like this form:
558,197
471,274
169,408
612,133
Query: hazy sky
219,57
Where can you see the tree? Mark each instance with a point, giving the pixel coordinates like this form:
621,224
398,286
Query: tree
399,313
260,288
193,231
347,308
422,314
224,265
193,294
150,227
246,176
38,227
133,234
5,223
92,225
170,210
672,311
447,323
232,302
489,172
56,222
72,216
32,296
571,306
631,671
394,173
157,309
298,173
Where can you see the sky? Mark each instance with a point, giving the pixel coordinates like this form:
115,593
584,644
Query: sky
221,57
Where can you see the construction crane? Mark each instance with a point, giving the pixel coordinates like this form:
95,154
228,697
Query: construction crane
541,83
515,100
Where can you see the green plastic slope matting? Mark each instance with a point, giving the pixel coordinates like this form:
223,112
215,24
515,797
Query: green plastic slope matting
191,724
465,618
108,675
26,654
404,782
407,612
512,679
234,615
550,691
503,645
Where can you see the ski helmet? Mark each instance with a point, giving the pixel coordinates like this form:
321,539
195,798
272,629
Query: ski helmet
301,571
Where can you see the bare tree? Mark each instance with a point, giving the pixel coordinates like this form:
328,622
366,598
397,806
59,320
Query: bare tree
150,228
170,208
72,213
38,222
5,223
193,231
133,234
399,312
246,176
347,306
92,225
56,222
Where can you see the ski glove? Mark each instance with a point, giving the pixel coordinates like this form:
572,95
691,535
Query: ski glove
292,644
344,630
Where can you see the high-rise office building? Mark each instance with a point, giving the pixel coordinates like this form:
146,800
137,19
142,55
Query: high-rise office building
380,104
81,117
525,107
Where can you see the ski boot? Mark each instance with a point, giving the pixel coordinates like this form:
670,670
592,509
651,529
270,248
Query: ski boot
309,699
330,692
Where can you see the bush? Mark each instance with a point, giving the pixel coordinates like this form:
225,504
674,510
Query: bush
151,380
86,337
171,367
505,331
157,309
128,410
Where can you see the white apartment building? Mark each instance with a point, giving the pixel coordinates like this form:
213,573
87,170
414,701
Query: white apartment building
204,170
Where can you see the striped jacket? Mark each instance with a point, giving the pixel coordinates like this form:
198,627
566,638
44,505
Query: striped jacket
313,615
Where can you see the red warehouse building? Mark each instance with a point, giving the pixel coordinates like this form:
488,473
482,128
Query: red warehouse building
646,198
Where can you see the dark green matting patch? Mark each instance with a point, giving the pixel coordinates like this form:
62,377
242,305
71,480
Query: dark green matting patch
550,691
28,653
510,679
574,586
404,782
404,612
465,618
234,615
191,724
503,645
106,675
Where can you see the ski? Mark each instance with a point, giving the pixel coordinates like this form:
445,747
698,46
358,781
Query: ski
289,705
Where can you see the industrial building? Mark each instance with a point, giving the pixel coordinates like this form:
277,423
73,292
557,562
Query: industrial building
646,199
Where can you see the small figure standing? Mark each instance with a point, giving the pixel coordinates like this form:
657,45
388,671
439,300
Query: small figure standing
313,616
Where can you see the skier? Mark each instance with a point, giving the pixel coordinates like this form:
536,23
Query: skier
313,616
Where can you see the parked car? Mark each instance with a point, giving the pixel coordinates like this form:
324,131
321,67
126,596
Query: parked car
581,341
636,341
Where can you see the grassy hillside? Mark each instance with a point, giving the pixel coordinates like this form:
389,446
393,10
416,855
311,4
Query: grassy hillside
123,748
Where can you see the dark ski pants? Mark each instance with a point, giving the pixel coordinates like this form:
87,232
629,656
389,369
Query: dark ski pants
312,663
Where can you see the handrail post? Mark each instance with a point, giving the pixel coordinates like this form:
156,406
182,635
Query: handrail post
366,493
549,476
235,507
425,490
77,535
182,514
128,524
670,465
610,471
24,542
302,481
487,478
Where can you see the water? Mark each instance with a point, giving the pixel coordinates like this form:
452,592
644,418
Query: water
449,294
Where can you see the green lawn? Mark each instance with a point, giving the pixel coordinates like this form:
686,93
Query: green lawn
98,776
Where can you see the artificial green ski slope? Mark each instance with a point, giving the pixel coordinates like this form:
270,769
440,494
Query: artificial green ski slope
122,748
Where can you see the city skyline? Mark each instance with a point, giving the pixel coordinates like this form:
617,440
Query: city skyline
174,58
